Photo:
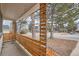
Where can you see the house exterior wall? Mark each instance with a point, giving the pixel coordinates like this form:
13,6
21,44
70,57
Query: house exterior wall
77,27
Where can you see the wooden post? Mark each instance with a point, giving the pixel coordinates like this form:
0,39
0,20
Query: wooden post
43,32
14,30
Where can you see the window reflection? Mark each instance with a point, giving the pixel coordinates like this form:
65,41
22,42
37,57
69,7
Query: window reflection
30,26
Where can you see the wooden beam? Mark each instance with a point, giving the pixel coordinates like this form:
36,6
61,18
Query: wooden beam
14,30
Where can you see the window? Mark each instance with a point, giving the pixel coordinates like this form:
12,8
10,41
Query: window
24,26
7,26
30,26
36,24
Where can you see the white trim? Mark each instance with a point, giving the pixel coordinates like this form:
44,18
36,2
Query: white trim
1,42
25,50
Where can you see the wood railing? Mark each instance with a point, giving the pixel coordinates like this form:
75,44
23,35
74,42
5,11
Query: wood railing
35,47
7,37
51,52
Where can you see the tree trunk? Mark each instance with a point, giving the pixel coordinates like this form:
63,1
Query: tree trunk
52,12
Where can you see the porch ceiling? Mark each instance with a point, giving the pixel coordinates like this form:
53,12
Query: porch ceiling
12,11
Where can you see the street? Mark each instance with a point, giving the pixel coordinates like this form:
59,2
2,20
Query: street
66,36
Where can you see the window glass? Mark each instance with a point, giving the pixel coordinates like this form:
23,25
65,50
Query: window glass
30,26
7,26
37,24
25,26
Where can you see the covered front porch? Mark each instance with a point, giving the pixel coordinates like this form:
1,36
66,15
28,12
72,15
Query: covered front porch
28,33
14,38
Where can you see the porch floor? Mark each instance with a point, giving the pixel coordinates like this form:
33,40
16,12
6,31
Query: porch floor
12,49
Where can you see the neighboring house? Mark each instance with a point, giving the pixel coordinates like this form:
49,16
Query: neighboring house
77,27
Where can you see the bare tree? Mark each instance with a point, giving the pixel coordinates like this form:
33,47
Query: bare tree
52,13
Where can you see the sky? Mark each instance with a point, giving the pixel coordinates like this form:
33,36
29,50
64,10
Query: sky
77,21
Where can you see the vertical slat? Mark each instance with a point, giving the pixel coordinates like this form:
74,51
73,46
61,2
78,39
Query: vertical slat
43,25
